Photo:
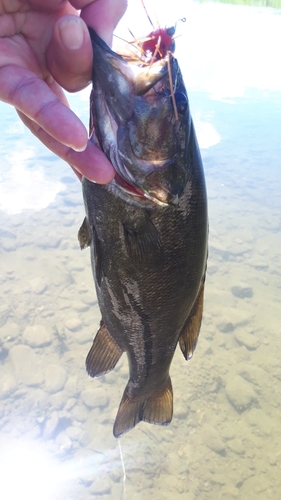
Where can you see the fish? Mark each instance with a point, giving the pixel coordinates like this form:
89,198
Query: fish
147,229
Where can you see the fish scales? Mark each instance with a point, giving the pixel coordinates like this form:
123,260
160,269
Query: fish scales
147,230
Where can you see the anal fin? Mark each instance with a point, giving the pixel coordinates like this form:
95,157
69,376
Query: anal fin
104,353
190,332
156,409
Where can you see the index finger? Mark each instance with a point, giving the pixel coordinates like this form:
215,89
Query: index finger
33,97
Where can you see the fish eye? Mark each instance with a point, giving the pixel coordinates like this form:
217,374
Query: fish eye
181,101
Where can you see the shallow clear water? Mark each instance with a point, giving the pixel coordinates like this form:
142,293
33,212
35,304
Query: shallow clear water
55,423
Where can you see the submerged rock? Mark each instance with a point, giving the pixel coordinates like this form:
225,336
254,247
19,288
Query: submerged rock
247,339
55,378
212,439
38,285
94,398
64,443
242,291
100,486
9,245
53,240
73,324
36,336
236,445
79,306
58,400
51,425
7,385
263,423
26,364
227,431
9,333
240,393
232,319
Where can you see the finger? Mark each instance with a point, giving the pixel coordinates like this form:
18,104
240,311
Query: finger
34,98
102,15
70,53
91,163
51,5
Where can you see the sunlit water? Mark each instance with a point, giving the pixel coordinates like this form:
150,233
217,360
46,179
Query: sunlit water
225,438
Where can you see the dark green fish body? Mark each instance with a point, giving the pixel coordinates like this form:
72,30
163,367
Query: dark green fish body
147,230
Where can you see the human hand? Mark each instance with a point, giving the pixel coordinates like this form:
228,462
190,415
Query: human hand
45,47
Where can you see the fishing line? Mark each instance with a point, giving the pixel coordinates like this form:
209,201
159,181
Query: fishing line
171,85
124,470
143,4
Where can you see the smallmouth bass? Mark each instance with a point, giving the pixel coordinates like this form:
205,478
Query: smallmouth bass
147,229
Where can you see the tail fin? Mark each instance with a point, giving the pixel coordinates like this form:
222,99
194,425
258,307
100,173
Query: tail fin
156,409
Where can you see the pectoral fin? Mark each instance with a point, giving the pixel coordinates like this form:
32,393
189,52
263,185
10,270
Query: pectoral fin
104,353
84,235
157,409
143,242
190,332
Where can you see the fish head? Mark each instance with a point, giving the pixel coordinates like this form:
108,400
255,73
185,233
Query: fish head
141,118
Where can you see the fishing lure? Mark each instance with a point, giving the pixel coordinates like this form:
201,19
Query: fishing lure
160,41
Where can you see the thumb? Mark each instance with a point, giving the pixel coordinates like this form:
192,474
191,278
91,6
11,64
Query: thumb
70,53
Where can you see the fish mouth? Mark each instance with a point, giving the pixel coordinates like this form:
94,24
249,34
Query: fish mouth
159,198
133,121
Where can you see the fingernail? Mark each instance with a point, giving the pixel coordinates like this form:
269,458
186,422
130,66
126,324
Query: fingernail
72,33
80,150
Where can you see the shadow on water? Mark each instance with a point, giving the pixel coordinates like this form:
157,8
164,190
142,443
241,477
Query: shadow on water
55,423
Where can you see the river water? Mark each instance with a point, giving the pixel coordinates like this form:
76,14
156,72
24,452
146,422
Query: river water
224,441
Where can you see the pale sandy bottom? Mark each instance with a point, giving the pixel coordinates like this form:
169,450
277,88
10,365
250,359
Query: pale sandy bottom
224,441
